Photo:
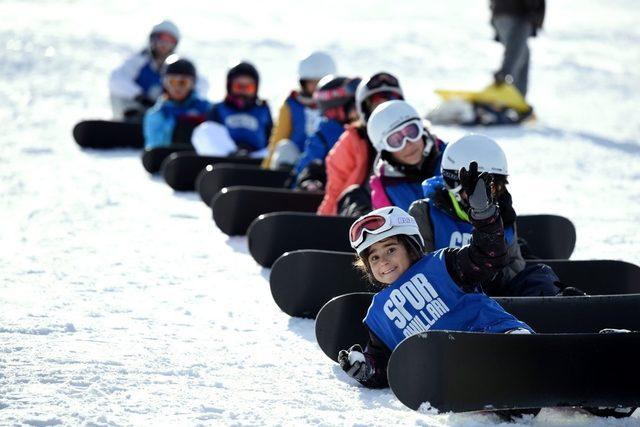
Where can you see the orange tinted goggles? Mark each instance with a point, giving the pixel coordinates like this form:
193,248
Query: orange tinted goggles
241,87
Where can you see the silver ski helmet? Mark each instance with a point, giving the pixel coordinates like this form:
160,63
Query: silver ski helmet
167,27
387,118
315,66
474,147
381,224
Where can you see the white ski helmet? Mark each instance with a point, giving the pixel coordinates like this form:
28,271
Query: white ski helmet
168,27
382,223
376,83
386,118
316,66
479,148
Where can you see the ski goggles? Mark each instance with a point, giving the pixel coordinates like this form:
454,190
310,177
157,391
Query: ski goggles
375,224
178,81
396,140
382,79
243,88
451,180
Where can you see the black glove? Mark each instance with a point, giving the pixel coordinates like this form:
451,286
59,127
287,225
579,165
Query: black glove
354,363
144,101
478,188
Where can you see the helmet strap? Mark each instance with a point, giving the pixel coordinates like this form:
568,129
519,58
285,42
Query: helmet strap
456,206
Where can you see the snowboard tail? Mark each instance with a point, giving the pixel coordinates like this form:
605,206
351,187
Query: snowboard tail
180,170
152,158
105,134
339,322
303,281
548,236
234,208
461,371
212,180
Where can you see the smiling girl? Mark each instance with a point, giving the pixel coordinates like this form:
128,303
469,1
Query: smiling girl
437,291
407,154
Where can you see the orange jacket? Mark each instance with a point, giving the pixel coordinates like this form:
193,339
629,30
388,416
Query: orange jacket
347,164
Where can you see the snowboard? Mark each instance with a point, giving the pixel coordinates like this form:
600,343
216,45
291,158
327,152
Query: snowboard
105,134
211,180
303,281
180,170
339,322
152,158
504,95
463,371
329,274
234,208
548,236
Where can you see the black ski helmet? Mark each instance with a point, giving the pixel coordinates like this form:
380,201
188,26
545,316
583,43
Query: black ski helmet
176,65
242,69
335,91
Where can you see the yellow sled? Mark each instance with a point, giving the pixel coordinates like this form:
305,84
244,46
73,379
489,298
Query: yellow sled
504,95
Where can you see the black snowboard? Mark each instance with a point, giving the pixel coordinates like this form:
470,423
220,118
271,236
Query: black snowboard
180,170
211,180
277,233
339,323
303,281
104,134
152,158
234,208
459,372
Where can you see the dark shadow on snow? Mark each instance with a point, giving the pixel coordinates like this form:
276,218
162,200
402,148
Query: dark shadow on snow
304,328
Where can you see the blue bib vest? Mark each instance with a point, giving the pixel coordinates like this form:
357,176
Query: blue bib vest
304,121
402,194
149,80
450,232
248,128
426,298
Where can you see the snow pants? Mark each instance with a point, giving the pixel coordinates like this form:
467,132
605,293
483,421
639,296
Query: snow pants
513,32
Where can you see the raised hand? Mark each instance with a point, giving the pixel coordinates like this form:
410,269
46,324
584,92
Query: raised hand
478,188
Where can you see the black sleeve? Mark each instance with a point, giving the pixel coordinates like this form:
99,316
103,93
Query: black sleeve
482,258
507,213
419,210
377,355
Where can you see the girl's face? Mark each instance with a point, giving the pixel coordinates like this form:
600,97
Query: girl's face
411,154
388,259
178,86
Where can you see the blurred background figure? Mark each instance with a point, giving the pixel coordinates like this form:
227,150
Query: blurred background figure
136,85
299,115
514,22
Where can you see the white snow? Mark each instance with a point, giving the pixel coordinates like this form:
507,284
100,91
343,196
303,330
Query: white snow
120,301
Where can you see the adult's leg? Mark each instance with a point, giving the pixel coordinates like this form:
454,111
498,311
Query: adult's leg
513,33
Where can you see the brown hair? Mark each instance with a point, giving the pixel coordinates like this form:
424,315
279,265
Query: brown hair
362,261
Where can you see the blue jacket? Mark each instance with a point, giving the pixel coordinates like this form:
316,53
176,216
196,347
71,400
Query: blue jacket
160,120
250,129
317,146
426,298
304,121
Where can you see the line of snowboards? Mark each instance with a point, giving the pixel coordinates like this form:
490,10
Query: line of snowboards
310,279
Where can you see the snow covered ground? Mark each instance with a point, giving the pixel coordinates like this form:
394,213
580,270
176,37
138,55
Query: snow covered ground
121,303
